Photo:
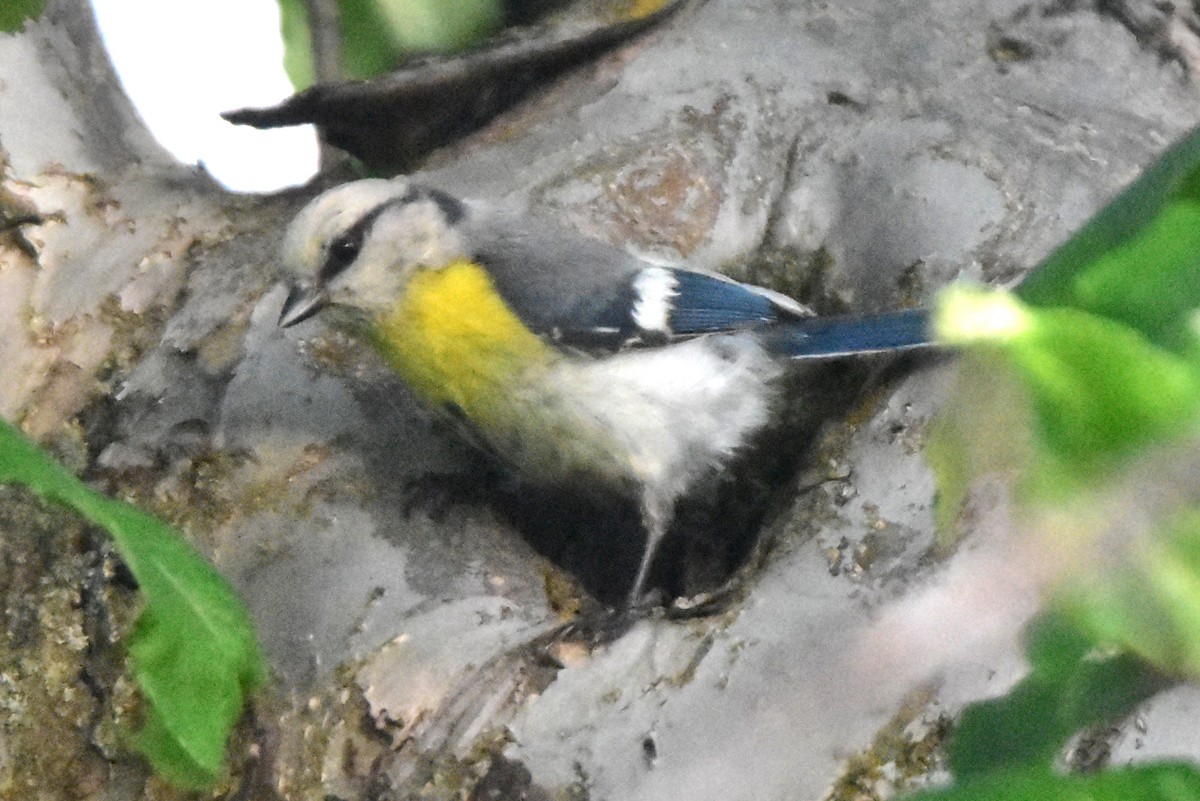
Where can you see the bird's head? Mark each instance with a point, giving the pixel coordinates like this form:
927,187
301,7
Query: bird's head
356,246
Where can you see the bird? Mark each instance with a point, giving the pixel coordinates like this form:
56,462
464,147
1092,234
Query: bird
574,362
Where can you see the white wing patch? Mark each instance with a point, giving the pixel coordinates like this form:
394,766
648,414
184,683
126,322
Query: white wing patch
654,287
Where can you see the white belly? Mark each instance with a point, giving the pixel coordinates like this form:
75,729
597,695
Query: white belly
659,417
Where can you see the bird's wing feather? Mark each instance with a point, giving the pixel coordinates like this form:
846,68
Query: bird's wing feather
706,302
584,294
587,294
823,337
562,286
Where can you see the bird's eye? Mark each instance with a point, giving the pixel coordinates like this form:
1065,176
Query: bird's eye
342,252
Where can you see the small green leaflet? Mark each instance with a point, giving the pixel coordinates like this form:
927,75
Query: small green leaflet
1160,782
193,649
1069,688
14,13
1137,262
378,35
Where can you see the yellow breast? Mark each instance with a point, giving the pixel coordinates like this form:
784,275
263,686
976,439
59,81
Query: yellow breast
456,343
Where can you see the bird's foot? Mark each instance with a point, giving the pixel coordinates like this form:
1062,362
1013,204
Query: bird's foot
639,601
709,602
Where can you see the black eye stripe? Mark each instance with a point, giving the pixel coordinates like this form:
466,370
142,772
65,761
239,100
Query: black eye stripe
345,247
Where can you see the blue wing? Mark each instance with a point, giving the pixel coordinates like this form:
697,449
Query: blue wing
588,295
660,304
705,303
844,336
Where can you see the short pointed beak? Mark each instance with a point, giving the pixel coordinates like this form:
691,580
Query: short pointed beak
302,303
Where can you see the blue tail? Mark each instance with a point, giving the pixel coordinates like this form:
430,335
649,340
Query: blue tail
817,337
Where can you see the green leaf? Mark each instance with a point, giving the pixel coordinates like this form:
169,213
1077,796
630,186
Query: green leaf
1076,388
1098,390
193,648
14,13
441,26
370,44
1099,348
297,43
1137,262
1148,601
983,429
1166,781
1067,690
377,35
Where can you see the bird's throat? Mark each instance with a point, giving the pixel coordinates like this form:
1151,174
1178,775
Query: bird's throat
457,344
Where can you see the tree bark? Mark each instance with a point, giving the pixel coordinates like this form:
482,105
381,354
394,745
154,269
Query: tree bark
859,154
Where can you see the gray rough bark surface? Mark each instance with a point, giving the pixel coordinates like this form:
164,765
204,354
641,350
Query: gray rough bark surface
866,153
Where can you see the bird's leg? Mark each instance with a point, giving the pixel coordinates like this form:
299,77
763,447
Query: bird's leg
654,520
